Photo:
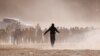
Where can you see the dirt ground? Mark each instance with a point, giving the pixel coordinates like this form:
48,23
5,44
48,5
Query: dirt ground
36,52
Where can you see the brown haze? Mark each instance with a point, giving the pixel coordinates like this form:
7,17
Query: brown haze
62,12
66,13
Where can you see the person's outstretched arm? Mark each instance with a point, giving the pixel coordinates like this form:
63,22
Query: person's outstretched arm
46,31
57,30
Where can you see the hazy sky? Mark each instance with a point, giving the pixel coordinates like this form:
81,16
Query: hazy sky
61,12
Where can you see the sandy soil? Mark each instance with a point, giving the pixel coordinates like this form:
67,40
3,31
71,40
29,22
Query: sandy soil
36,52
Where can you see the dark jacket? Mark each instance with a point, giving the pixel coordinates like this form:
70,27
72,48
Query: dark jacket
52,30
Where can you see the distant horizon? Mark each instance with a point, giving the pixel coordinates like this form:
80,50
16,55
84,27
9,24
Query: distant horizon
43,26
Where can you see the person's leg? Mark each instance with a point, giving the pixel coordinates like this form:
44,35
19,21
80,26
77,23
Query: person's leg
52,39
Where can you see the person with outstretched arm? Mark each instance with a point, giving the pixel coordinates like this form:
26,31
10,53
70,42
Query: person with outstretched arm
53,31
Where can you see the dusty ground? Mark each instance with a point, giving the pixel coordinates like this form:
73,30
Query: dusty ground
36,52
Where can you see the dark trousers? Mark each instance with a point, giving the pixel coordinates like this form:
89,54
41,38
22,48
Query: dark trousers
52,39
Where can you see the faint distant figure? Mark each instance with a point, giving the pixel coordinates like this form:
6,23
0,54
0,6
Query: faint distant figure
53,31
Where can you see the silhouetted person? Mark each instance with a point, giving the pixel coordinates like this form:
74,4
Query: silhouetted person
53,31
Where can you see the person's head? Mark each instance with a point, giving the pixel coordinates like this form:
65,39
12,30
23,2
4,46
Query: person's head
53,24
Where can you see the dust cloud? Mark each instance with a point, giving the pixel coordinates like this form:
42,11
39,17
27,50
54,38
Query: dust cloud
90,40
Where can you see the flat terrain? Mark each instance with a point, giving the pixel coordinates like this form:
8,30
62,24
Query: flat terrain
36,52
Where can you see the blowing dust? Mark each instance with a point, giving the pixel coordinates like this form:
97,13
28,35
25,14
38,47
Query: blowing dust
89,40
